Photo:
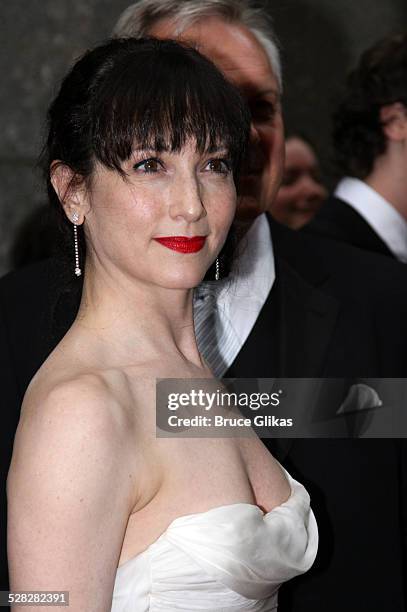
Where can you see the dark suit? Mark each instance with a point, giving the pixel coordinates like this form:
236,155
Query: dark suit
339,221
337,311
328,314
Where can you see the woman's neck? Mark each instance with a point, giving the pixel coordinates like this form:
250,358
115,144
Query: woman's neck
135,320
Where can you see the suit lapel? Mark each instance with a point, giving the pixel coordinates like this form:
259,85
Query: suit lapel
308,315
295,326
308,318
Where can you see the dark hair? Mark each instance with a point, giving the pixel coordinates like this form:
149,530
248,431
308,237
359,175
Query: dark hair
379,79
305,137
156,93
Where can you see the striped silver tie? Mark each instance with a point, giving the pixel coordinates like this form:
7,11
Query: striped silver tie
216,338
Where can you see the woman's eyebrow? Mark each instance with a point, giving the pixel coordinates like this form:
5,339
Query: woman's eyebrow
217,149
220,149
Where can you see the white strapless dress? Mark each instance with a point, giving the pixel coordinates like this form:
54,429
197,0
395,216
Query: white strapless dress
227,559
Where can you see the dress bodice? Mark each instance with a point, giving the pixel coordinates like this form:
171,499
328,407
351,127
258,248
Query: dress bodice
228,559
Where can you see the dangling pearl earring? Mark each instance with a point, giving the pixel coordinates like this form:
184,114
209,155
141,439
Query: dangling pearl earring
217,267
75,219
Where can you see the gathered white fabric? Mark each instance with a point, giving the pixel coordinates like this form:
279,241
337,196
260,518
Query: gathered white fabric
227,559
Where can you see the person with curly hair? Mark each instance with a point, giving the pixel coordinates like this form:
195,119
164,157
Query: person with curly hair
369,206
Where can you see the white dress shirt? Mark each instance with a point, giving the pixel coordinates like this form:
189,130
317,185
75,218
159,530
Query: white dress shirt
236,301
382,217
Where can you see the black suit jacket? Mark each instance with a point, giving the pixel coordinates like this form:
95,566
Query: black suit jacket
333,311
336,311
339,221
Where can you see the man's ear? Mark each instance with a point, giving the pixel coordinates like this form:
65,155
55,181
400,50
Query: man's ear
393,118
71,191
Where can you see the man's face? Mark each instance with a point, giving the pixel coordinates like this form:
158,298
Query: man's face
235,50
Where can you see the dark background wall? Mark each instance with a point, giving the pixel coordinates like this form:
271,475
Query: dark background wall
40,38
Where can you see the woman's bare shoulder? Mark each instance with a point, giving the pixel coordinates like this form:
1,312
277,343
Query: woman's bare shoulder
56,390
72,420
70,388
72,471
68,404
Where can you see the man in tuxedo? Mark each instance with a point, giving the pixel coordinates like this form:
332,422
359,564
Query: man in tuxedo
369,206
301,307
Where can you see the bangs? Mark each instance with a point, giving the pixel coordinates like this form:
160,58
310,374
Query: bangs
162,96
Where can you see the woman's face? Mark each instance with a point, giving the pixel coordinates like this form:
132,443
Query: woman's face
302,193
165,223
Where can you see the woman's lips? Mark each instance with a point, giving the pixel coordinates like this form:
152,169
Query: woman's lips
182,244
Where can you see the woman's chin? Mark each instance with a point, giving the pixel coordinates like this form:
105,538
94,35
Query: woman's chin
184,279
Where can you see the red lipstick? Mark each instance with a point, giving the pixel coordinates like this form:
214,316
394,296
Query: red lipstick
182,244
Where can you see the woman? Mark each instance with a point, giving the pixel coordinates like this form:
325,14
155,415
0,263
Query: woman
145,138
302,193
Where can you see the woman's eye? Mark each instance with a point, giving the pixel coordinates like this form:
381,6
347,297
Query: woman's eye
148,166
289,178
221,166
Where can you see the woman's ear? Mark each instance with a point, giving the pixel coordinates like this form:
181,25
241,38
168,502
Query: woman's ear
394,121
71,191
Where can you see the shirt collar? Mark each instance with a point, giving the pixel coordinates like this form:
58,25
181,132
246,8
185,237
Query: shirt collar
243,293
382,217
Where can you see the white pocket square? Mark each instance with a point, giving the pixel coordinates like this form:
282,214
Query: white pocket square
360,397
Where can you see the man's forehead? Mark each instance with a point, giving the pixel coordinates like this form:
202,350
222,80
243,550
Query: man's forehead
232,47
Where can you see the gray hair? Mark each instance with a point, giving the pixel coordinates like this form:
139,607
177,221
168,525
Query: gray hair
138,19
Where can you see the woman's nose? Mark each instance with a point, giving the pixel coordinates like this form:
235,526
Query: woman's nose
312,189
187,199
